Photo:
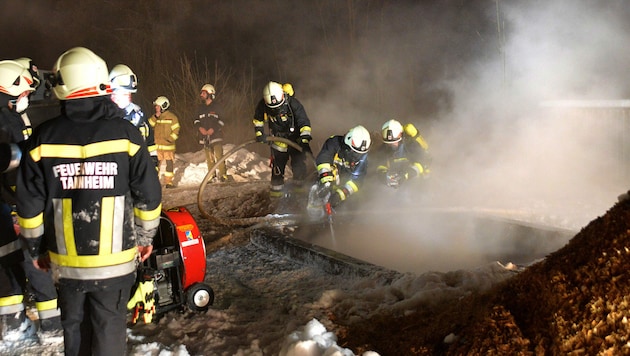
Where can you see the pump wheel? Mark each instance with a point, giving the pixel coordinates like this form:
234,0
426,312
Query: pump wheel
199,297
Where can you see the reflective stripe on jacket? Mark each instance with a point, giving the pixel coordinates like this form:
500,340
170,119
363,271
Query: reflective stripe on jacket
87,185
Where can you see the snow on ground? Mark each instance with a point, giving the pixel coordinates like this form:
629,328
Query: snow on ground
269,304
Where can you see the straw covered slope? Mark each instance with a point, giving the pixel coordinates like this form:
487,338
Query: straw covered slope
576,301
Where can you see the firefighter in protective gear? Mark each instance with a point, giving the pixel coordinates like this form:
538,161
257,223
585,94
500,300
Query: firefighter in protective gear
88,204
125,83
286,118
166,130
17,272
342,163
210,130
404,154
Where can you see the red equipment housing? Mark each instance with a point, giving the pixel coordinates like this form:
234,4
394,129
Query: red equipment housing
192,248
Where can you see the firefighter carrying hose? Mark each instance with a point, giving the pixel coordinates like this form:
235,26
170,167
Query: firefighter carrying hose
403,156
342,165
88,204
286,118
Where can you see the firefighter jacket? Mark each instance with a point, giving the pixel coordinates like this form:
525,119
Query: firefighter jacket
408,159
11,132
88,199
289,121
165,130
347,167
208,118
135,115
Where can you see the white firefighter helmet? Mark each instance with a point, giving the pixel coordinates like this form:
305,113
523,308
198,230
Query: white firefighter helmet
162,102
273,94
32,68
209,88
392,131
14,79
123,78
358,138
80,73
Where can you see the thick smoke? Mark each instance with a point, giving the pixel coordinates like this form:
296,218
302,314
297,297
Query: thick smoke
482,80
532,128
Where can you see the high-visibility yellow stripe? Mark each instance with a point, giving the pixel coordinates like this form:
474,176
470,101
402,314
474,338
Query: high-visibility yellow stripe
148,214
46,305
352,187
11,300
89,261
107,219
82,152
31,223
68,227
323,167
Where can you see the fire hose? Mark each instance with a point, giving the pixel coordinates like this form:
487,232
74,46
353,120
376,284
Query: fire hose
211,173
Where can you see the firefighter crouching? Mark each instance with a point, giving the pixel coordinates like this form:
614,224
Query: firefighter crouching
342,166
88,204
403,156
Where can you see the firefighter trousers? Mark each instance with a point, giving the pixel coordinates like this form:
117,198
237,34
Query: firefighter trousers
279,163
94,315
214,153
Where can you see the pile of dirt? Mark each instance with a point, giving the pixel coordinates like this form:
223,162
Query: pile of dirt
576,301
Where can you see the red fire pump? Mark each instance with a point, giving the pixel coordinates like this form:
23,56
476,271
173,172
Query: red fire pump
173,276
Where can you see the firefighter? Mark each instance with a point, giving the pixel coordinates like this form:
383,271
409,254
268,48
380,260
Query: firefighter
18,276
210,128
32,68
342,163
124,84
166,129
404,154
286,118
88,204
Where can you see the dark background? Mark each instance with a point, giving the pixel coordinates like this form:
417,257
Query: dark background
349,61
471,74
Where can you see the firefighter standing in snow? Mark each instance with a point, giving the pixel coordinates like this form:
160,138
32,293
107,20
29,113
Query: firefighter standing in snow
16,267
210,128
404,154
342,163
89,204
287,119
166,129
124,83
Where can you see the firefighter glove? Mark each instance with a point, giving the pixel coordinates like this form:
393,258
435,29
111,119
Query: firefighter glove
336,198
305,146
393,180
326,178
261,137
